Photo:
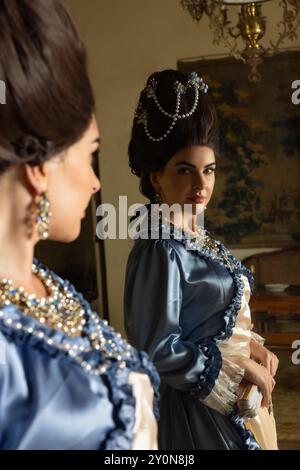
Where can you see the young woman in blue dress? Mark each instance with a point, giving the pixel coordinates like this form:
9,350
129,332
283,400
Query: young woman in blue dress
67,380
186,295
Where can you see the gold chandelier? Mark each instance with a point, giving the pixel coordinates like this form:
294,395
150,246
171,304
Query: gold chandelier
250,27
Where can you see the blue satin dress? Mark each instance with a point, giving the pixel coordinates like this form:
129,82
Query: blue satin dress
54,393
181,300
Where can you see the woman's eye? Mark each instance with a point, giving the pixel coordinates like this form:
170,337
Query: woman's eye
210,170
184,171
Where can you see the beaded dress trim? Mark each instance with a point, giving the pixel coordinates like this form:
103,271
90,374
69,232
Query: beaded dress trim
100,351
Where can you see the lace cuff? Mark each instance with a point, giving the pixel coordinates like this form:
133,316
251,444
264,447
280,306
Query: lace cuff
257,338
224,395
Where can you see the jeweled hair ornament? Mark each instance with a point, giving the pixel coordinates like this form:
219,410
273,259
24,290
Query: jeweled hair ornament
141,114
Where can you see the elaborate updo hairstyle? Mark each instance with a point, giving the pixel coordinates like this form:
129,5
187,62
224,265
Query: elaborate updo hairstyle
49,99
199,128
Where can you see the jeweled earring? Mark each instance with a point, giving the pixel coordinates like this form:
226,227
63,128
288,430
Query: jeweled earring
43,216
157,197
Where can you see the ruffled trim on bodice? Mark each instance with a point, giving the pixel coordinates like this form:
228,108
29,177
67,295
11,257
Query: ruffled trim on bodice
158,229
78,352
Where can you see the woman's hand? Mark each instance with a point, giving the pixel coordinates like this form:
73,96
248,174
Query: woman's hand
259,375
264,357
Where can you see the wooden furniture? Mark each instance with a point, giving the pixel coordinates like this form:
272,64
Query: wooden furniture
276,316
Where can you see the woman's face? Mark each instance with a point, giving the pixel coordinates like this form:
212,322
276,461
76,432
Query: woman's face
71,184
187,178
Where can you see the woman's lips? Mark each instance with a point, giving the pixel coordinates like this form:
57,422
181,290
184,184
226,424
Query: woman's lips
197,199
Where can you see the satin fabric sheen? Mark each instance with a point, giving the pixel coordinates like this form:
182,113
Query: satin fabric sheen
174,304
48,401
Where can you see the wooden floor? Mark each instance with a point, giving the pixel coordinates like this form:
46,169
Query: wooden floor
284,445
286,399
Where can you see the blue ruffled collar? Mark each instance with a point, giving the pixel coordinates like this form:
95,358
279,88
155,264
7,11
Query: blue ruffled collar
78,351
157,228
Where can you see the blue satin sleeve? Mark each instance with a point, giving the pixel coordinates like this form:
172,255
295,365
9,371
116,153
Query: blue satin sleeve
154,293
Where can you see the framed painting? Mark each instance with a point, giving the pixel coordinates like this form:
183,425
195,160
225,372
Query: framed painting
256,202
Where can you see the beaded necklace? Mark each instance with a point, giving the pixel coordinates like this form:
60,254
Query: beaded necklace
199,239
203,241
62,311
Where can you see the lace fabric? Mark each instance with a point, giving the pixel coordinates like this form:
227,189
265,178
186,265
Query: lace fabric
226,390
223,396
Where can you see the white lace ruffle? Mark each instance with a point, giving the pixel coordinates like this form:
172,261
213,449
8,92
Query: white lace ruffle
224,395
257,338
226,389
225,392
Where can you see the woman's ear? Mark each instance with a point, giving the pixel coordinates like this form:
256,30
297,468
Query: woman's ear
155,180
36,178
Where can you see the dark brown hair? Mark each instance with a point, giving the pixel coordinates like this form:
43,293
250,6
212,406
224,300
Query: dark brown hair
146,156
49,99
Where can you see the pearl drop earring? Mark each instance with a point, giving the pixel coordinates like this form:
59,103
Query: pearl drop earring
43,216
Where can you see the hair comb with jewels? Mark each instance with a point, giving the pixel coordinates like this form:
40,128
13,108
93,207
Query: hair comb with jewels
141,114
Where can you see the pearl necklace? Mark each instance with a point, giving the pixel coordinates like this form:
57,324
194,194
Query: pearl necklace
60,310
199,236
202,241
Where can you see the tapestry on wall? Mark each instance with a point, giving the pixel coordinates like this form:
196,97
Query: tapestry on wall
256,202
